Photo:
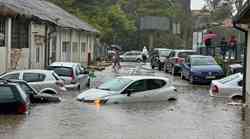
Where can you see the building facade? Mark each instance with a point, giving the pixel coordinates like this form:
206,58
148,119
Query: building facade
35,33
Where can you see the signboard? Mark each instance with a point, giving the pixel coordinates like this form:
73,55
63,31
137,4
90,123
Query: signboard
154,23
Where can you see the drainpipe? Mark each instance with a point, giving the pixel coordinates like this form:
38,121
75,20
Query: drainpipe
244,93
47,44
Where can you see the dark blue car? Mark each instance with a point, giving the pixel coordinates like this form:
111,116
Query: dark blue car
201,69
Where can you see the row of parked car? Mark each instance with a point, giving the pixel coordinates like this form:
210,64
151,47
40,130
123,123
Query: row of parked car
199,69
19,89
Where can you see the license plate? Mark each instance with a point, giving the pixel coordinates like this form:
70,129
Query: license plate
211,77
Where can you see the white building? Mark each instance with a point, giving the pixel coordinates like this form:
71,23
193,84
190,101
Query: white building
34,33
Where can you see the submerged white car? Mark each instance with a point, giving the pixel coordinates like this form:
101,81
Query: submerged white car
228,87
131,89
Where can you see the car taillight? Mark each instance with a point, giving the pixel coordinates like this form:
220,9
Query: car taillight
23,108
179,61
215,90
72,76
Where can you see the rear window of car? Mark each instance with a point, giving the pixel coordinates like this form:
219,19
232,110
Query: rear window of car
33,77
185,54
62,71
26,88
6,94
164,52
230,78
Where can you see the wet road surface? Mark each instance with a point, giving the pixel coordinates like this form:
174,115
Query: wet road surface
194,115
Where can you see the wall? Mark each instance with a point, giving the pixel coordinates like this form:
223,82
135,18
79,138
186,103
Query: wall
3,59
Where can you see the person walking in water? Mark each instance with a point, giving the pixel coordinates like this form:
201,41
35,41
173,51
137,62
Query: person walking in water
116,60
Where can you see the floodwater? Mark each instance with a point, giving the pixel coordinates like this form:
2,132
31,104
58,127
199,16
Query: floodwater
194,115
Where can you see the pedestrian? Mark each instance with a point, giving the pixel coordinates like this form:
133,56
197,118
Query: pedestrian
144,54
116,59
232,44
223,47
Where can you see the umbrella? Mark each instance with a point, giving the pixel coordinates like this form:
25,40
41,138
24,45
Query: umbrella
209,36
116,47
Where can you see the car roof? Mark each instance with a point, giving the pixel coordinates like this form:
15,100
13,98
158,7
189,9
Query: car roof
182,50
134,51
142,77
30,70
64,64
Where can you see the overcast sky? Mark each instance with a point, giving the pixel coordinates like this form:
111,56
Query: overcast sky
197,4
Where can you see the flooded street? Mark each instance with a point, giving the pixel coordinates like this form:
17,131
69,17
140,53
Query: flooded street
194,115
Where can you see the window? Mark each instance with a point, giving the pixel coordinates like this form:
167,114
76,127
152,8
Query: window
26,88
12,76
76,51
155,84
19,33
66,50
138,86
37,55
33,77
83,47
6,94
2,32
62,71
172,54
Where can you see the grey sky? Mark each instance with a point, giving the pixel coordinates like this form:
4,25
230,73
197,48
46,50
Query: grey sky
197,4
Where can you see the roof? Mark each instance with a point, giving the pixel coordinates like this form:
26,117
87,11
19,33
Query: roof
46,11
31,71
179,50
64,64
143,77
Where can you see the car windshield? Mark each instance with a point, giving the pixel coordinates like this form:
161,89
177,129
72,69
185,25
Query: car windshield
115,85
230,78
201,61
62,71
164,53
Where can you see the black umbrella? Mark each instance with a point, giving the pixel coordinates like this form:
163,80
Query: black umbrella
116,47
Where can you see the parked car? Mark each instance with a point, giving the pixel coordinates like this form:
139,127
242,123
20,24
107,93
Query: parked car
158,56
228,87
33,95
176,58
74,75
201,69
43,81
131,56
127,89
13,99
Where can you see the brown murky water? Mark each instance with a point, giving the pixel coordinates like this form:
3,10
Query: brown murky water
193,116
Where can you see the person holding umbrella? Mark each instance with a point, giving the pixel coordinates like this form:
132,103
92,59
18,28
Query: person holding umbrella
116,57
208,41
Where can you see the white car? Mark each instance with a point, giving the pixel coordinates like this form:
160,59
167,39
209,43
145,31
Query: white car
127,89
74,75
131,56
43,81
228,87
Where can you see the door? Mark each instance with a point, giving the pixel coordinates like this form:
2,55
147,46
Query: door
37,81
136,92
186,67
82,78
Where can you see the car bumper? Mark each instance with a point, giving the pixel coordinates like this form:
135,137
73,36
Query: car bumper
71,86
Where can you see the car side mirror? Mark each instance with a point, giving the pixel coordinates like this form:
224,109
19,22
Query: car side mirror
129,92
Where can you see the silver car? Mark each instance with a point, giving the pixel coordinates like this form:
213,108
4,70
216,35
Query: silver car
43,81
74,75
132,56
